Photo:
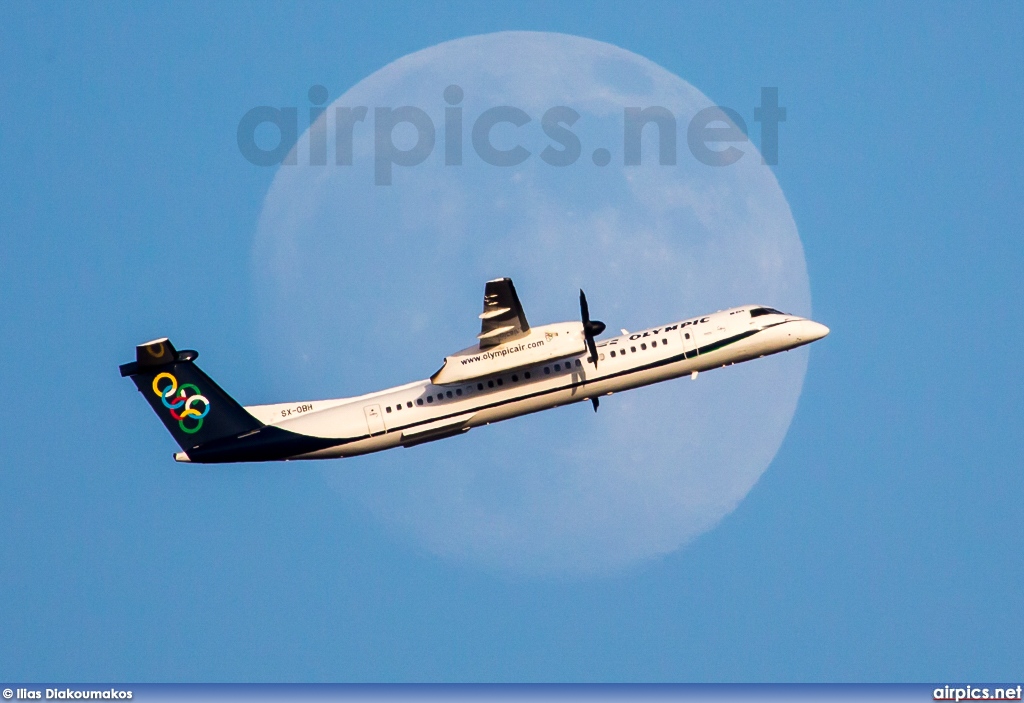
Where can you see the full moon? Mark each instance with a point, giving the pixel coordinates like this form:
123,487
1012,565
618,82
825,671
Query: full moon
361,285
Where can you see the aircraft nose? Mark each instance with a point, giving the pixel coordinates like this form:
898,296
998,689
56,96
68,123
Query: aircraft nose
813,331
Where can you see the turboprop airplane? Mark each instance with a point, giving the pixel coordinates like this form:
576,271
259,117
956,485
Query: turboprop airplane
514,369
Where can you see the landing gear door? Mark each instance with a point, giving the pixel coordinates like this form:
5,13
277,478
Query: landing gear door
374,420
689,342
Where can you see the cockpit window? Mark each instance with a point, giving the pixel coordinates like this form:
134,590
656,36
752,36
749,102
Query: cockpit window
757,312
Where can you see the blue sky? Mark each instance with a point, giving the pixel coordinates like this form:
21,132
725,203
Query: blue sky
883,543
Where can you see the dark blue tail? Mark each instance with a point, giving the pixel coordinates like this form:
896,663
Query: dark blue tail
193,408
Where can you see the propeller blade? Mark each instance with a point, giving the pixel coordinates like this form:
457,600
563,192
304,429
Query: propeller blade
590,328
592,347
596,402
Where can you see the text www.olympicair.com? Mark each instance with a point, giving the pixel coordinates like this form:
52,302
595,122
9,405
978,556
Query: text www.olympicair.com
486,356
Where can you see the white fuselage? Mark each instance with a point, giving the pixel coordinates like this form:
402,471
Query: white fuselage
423,411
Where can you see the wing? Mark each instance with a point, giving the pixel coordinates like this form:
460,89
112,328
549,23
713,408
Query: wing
503,318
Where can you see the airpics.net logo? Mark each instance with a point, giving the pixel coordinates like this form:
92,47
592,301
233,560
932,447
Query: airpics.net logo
977,693
710,134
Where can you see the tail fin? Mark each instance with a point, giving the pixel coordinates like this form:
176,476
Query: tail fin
193,408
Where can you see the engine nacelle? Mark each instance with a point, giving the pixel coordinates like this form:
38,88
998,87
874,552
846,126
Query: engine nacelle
540,344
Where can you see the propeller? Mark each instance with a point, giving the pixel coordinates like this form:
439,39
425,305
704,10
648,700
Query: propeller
591,328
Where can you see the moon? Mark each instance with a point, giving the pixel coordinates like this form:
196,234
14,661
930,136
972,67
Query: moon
360,286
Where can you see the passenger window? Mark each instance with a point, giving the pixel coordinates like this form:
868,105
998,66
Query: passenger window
398,407
613,353
515,378
633,349
654,344
458,391
409,404
419,401
558,367
490,384
643,347
526,374
578,363
430,399
500,382
547,371
479,386
687,335
449,394
664,341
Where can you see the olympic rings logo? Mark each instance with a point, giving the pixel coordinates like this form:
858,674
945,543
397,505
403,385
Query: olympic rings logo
180,403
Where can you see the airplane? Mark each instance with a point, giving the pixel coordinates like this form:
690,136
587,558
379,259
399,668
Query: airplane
513,369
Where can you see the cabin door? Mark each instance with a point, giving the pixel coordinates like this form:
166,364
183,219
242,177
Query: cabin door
374,420
689,342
